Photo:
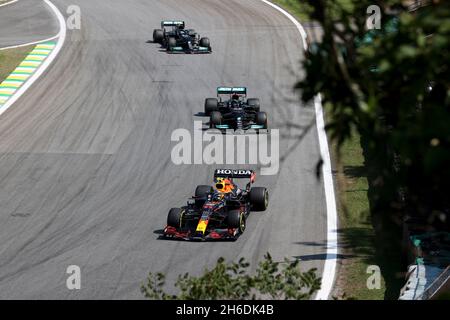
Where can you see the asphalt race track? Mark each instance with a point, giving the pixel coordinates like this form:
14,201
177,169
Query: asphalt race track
85,167
26,21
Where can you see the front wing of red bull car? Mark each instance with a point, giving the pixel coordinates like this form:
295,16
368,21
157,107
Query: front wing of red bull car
209,215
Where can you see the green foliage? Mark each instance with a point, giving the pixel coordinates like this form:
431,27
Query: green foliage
382,89
299,8
272,280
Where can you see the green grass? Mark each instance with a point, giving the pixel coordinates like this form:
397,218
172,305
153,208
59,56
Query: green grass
11,58
357,236
366,238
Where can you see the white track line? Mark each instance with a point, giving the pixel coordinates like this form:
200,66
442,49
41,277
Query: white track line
329,269
30,43
47,62
11,2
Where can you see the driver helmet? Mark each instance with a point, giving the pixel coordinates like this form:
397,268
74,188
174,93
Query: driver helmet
224,185
234,104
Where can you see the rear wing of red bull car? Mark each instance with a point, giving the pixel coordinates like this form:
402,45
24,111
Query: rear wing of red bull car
236,174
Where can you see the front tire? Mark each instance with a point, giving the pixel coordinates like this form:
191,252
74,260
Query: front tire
211,104
215,119
261,119
171,43
254,104
259,198
158,35
204,42
237,220
175,218
201,192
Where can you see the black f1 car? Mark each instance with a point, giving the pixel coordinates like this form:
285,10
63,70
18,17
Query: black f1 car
213,214
175,38
238,112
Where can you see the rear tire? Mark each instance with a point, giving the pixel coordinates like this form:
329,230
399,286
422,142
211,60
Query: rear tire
215,119
174,218
259,198
261,119
204,42
171,43
202,191
211,104
236,220
158,35
254,104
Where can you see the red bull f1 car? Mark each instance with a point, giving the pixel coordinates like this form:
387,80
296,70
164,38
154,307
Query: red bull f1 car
220,212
